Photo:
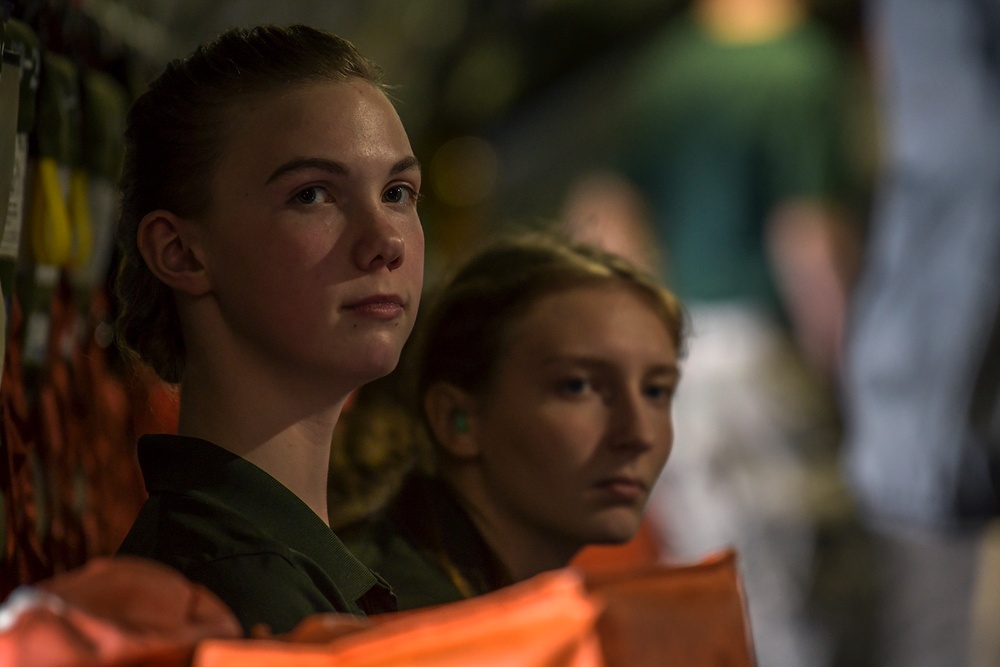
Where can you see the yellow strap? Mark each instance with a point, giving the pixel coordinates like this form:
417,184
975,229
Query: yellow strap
51,234
79,209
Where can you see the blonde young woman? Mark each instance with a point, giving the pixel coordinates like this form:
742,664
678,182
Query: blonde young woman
545,375
272,263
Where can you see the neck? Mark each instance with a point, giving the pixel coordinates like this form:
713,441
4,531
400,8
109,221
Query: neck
747,21
523,550
274,426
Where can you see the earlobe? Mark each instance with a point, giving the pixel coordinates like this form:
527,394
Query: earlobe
167,243
451,419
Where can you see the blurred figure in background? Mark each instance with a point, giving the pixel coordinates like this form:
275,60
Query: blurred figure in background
924,347
739,150
605,209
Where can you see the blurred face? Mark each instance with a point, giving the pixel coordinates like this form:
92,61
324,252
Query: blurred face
312,241
577,425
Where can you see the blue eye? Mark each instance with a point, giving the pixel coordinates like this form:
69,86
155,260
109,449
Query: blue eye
574,386
311,195
400,194
659,392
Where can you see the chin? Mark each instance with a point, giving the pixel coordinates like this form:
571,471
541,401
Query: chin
615,530
375,367
365,373
376,359
611,539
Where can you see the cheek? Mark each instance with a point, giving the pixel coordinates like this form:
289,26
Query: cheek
414,248
574,433
276,281
509,443
554,443
415,234
303,250
663,440
277,253
282,275
414,266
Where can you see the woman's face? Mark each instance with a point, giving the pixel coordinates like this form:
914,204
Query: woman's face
312,241
576,426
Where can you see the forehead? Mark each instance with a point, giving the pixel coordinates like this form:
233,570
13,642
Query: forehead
601,319
348,121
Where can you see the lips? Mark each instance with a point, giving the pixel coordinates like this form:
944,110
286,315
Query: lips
378,306
624,487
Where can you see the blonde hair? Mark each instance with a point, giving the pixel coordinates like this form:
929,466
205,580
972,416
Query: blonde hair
463,338
172,143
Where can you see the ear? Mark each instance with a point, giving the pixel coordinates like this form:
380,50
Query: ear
169,244
449,412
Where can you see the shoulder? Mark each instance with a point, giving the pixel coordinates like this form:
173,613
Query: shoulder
812,54
397,544
410,570
194,528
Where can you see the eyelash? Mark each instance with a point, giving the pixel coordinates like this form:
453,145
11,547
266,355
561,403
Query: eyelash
577,386
415,196
297,197
574,386
662,392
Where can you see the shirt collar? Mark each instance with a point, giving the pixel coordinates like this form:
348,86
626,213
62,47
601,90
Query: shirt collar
174,464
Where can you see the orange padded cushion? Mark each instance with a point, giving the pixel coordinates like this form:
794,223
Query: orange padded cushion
547,621
691,615
120,611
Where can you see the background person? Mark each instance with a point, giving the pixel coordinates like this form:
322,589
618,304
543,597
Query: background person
545,376
921,371
738,142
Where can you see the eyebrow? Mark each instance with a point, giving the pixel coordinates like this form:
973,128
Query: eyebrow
334,167
595,362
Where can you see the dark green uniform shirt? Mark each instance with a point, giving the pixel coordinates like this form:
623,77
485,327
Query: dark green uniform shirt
226,524
426,547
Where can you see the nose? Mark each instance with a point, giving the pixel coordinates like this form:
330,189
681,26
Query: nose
380,244
632,424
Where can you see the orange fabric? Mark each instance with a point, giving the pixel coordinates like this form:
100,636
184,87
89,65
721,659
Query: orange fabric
128,611
545,622
114,612
24,558
114,485
156,404
691,615
68,474
60,436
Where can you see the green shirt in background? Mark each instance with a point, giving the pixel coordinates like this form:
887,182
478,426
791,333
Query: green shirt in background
225,523
723,133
